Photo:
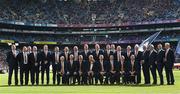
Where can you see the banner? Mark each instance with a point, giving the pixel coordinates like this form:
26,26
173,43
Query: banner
149,40
44,42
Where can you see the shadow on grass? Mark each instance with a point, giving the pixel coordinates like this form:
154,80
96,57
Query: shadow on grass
129,85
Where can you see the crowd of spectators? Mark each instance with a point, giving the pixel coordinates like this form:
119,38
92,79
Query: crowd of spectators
89,11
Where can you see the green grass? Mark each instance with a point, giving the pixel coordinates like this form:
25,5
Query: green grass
115,89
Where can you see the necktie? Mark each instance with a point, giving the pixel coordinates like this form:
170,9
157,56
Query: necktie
102,66
35,57
122,66
80,65
62,64
112,66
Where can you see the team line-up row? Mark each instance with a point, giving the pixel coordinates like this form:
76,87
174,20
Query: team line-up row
91,67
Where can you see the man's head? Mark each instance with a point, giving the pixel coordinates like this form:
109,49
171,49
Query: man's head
159,46
113,47
66,49
71,57
24,49
56,49
45,47
118,48
86,47
167,45
97,47
128,48
29,49
13,47
136,47
75,48
108,47
62,58
34,48
101,57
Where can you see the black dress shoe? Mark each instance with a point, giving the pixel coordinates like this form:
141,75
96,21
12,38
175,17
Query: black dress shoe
154,83
168,84
161,83
172,83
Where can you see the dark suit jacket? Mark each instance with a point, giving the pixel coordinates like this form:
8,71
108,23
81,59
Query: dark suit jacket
122,65
106,55
32,60
115,55
105,66
145,57
83,67
96,57
170,59
53,59
152,57
59,67
160,56
95,67
86,56
138,59
66,58
72,68
12,61
128,58
116,66
20,59
45,58
133,68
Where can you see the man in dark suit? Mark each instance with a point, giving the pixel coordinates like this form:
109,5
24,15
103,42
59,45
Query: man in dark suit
152,61
83,70
169,60
107,53
85,53
24,66
66,54
146,65
138,58
55,60
92,70
127,56
45,63
118,53
103,70
13,64
34,59
122,69
114,70
29,51
62,71
160,63
97,52
72,70
132,70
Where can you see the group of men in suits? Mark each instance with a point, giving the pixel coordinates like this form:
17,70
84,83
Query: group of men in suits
109,66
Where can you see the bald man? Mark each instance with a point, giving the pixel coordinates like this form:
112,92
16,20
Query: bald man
34,60
45,63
